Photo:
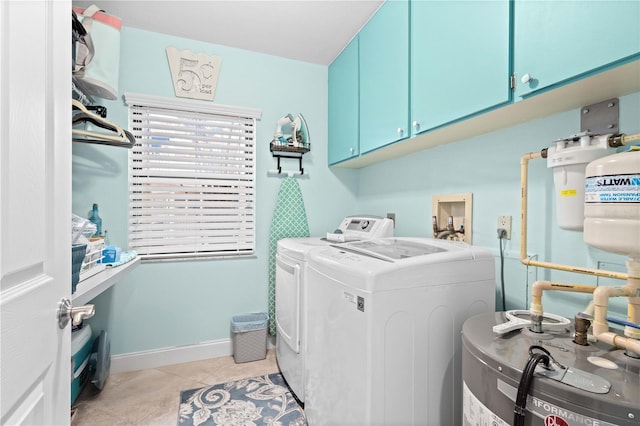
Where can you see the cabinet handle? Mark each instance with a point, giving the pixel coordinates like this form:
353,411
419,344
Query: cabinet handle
400,131
526,78
351,150
416,125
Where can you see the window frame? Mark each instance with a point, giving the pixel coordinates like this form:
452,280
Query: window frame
201,192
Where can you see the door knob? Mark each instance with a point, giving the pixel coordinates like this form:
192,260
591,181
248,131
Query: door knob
526,78
67,312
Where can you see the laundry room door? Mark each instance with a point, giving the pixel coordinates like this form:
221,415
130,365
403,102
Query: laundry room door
35,210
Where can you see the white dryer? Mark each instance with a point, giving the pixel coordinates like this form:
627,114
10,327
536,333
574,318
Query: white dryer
384,322
291,263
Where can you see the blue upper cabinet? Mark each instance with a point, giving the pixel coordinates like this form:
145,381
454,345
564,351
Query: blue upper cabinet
440,70
460,54
344,105
555,42
384,77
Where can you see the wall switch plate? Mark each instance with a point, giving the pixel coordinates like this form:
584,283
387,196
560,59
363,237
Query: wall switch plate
504,222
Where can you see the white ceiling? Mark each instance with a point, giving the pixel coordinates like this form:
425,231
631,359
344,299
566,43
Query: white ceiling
313,31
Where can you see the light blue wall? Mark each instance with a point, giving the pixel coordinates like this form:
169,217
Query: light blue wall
489,167
181,303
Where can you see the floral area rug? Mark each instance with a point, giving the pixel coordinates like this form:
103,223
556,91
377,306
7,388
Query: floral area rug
263,400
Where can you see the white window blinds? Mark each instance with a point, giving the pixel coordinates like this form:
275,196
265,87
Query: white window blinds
191,178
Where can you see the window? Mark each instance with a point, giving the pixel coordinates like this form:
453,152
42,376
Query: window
191,178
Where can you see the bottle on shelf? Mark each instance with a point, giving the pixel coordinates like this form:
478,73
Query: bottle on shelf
97,220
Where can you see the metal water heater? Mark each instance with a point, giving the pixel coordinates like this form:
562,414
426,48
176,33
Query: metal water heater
564,374
600,387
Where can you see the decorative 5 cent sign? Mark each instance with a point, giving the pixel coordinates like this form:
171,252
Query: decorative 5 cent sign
194,75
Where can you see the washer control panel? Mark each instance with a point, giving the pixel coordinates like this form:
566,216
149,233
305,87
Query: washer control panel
355,228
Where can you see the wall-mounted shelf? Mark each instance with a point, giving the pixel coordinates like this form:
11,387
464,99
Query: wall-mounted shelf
91,287
275,147
285,151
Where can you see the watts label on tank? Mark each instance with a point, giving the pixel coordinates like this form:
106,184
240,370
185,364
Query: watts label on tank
613,189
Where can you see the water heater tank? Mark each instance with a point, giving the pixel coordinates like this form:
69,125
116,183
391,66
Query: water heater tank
492,368
612,203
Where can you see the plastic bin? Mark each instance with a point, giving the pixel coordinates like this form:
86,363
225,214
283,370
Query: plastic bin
81,343
249,335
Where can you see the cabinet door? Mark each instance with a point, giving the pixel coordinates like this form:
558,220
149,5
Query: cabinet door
344,105
384,77
459,60
558,41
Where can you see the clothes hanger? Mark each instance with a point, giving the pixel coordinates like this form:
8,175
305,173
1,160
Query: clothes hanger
81,117
121,137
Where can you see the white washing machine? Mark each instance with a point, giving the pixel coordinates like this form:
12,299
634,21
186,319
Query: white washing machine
291,264
383,329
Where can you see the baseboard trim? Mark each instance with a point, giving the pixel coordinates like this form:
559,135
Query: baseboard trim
176,355
168,356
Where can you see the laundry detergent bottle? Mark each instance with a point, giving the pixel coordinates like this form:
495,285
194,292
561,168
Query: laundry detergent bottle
97,220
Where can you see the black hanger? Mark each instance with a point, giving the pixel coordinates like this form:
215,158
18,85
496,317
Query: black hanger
118,137
81,117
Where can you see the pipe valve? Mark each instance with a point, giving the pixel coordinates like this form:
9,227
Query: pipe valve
581,325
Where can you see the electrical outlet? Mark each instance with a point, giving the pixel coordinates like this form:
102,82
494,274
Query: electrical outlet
504,222
392,216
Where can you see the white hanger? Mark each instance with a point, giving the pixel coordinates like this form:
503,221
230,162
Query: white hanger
120,136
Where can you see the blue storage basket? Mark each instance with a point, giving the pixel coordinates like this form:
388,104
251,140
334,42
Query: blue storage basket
77,256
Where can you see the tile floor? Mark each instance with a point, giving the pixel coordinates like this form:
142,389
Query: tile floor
151,397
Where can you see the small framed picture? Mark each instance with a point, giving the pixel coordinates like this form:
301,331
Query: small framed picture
194,75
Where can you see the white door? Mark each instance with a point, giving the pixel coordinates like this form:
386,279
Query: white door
35,210
288,275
